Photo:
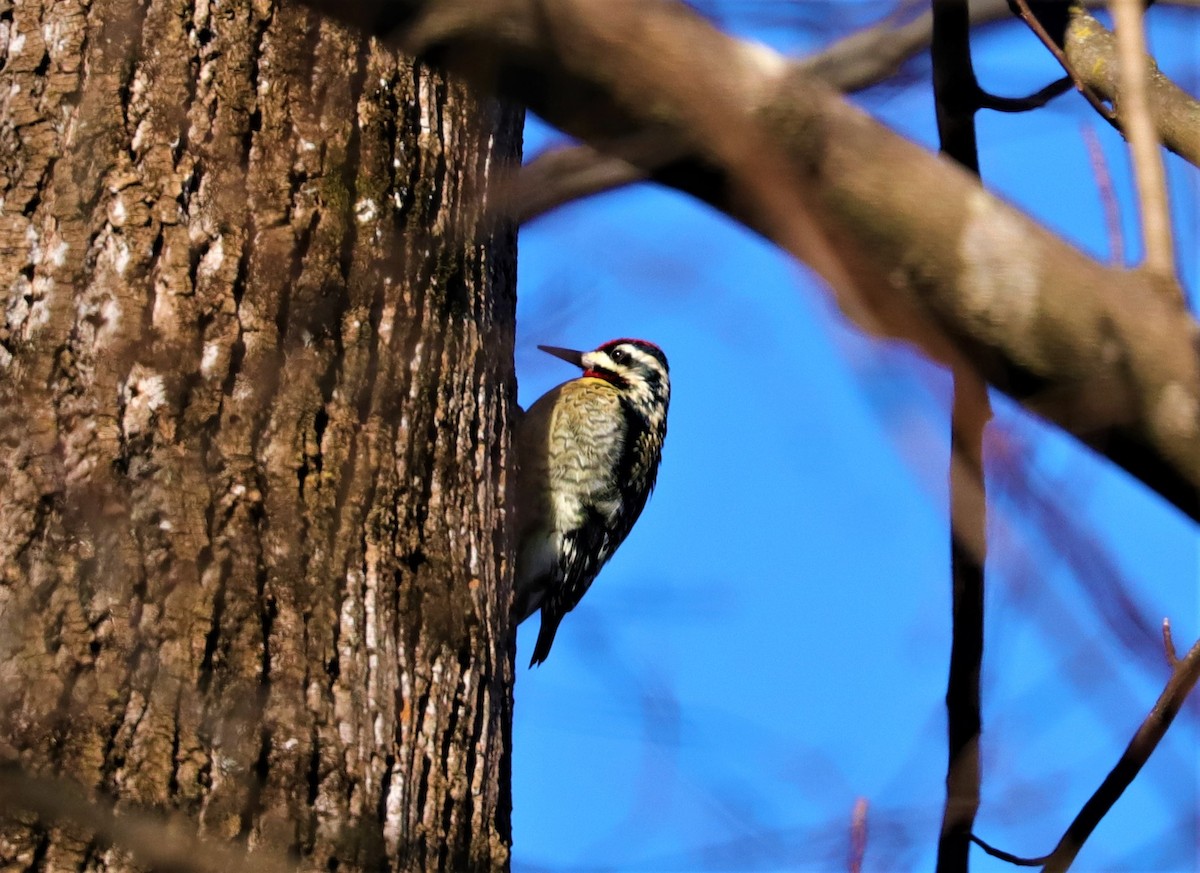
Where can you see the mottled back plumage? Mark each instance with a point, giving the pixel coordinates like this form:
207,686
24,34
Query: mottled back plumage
589,452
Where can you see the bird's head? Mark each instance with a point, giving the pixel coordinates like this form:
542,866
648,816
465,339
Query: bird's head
638,369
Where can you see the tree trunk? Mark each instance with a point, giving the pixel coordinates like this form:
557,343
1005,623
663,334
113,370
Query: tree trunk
255,388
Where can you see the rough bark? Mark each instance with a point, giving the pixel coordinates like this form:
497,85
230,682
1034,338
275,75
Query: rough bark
255,383
1091,49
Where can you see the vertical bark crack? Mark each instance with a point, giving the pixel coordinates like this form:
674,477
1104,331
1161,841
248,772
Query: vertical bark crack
260,375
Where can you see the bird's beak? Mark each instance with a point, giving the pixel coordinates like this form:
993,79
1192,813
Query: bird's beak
569,355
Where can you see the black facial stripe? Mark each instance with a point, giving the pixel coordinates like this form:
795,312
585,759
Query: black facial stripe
641,346
654,352
612,376
650,365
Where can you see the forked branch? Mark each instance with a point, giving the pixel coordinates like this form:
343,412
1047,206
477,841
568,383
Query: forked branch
1184,675
1081,85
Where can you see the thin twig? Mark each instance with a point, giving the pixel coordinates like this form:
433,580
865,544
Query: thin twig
1169,644
1055,49
1149,734
1024,104
1183,679
1144,148
858,836
1015,860
1108,196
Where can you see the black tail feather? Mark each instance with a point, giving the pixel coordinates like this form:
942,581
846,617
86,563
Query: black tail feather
545,637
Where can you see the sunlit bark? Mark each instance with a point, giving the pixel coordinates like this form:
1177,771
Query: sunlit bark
255,382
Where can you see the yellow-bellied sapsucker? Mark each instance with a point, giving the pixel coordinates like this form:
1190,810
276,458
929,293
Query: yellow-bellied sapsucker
589,452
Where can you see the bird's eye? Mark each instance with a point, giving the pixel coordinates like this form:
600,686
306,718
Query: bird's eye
620,356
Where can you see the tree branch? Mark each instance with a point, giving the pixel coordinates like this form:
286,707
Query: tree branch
1015,860
1184,675
1035,25
957,98
1169,645
853,63
1036,100
968,555
1144,145
1092,50
560,176
876,53
956,91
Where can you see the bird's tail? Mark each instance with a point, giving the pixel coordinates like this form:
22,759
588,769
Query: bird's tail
545,638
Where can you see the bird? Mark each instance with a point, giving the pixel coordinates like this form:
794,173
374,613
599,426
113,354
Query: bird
588,456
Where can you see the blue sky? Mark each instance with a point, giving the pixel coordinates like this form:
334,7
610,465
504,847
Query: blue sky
771,642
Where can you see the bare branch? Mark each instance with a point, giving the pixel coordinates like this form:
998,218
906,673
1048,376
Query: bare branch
956,91
1015,860
968,554
1143,143
1080,84
1036,100
854,62
876,53
1092,50
1183,679
860,60
1169,644
561,175
1088,56
957,97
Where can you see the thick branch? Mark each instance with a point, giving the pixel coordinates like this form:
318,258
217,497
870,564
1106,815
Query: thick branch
1092,50
960,274
864,58
855,62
